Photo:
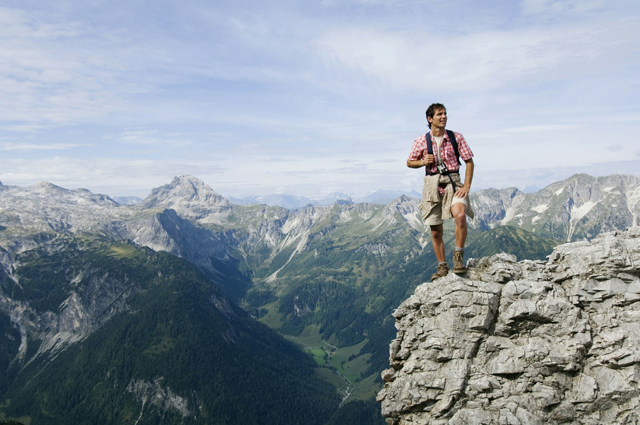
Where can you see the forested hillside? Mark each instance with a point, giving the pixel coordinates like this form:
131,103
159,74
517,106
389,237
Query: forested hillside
176,352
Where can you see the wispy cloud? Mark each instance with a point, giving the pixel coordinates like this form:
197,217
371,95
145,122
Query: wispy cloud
561,7
481,61
15,146
58,71
538,128
152,137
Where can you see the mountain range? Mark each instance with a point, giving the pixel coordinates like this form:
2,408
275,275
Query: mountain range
168,296
378,196
580,207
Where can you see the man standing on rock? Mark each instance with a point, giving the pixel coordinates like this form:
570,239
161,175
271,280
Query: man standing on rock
443,194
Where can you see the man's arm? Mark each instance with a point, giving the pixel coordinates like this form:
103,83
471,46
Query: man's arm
463,192
417,163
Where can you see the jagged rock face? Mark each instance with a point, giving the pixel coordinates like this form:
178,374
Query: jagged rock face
492,205
167,231
523,342
165,399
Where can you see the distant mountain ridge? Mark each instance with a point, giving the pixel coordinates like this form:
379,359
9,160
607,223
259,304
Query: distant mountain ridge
379,196
575,208
127,200
580,207
291,201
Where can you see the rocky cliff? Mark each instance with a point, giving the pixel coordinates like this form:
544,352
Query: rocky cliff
523,342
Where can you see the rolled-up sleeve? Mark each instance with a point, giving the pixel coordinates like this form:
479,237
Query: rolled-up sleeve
418,149
463,147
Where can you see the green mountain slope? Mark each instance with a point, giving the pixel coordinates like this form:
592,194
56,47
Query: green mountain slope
519,242
177,352
9,345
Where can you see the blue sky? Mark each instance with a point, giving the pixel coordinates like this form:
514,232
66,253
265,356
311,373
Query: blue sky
313,97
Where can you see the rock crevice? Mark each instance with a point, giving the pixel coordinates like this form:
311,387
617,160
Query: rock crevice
528,342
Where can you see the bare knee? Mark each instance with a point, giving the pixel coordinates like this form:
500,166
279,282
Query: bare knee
459,215
461,220
436,233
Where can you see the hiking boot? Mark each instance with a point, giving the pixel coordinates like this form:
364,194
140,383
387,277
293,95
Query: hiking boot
458,262
441,271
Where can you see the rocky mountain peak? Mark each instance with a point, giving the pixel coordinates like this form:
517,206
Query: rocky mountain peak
190,181
527,342
402,204
45,186
185,188
190,197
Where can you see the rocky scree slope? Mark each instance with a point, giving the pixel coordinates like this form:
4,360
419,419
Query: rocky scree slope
527,342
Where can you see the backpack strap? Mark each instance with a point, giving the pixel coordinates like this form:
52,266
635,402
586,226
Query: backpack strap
454,143
429,151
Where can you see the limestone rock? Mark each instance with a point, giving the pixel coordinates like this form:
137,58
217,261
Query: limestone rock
523,342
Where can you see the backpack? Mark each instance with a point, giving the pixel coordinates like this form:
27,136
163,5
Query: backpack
454,143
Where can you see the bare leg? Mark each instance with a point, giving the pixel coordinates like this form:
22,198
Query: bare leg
438,244
460,217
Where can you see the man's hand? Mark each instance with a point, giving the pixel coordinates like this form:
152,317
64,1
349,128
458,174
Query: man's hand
428,159
417,163
463,192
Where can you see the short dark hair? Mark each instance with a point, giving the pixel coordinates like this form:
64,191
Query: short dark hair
431,110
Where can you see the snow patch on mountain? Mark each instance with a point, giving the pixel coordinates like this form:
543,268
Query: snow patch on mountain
577,214
633,202
508,215
540,208
302,244
581,211
414,221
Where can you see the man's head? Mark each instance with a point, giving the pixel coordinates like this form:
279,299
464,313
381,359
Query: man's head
433,109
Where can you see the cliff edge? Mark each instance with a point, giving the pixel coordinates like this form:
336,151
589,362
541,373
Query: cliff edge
528,342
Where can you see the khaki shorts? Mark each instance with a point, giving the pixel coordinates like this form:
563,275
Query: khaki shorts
435,215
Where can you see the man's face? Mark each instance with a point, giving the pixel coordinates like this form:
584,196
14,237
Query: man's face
439,118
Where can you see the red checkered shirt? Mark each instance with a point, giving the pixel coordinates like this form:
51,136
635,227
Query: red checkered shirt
419,151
